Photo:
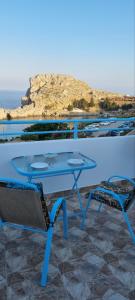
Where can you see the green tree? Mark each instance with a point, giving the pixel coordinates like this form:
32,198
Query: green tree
46,127
108,105
91,103
9,116
81,104
70,107
126,106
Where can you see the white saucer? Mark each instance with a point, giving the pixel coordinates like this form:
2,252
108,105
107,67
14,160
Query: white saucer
39,165
75,161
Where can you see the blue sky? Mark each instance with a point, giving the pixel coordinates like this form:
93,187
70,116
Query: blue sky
92,40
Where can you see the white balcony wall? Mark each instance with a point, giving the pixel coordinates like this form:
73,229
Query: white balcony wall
114,156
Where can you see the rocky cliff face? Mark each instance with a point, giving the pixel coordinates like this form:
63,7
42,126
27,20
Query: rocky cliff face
51,94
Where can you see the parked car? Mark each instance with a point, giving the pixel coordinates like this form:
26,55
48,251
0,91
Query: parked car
105,123
95,129
90,126
121,131
116,132
124,126
87,128
127,124
112,121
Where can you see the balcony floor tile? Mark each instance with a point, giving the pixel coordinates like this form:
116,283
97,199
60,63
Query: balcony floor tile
95,263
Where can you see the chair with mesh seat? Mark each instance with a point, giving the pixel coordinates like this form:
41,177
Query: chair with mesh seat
119,195
22,205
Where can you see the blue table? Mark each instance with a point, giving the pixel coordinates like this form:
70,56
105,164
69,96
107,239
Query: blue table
57,164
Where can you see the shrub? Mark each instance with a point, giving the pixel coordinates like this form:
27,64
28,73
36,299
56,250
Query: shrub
70,107
9,116
91,103
81,104
107,105
46,127
126,106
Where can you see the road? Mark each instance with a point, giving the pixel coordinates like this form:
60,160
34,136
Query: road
104,132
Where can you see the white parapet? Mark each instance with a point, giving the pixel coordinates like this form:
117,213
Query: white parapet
114,156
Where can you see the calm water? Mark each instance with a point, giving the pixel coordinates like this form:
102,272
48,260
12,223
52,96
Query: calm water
12,99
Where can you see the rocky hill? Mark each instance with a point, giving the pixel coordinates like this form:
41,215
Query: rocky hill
54,95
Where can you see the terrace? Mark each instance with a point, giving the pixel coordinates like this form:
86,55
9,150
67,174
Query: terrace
95,263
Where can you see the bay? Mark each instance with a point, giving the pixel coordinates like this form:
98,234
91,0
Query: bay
12,99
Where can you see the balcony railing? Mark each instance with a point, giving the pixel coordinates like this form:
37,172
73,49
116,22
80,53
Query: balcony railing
78,126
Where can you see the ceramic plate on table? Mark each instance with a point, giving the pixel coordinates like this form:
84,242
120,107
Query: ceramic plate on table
75,162
39,166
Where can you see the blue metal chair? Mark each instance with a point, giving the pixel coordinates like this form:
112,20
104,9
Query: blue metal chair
22,205
119,196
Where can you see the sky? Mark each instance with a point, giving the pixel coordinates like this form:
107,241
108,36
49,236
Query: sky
92,40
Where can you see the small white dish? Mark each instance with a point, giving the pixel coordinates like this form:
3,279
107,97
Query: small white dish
75,161
39,165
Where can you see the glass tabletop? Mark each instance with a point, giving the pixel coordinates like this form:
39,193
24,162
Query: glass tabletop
52,163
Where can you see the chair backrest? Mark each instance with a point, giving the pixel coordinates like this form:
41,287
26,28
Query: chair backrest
24,204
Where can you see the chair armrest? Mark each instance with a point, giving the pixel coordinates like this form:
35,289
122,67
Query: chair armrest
122,177
55,208
111,193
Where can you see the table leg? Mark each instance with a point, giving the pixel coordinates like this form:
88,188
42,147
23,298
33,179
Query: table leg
29,179
75,188
76,179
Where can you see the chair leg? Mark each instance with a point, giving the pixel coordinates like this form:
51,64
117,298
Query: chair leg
87,206
89,201
46,257
1,223
65,220
125,215
99,208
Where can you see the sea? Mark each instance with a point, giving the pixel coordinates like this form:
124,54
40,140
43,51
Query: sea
10,99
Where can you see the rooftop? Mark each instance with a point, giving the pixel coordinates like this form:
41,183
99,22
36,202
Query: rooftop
93,264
